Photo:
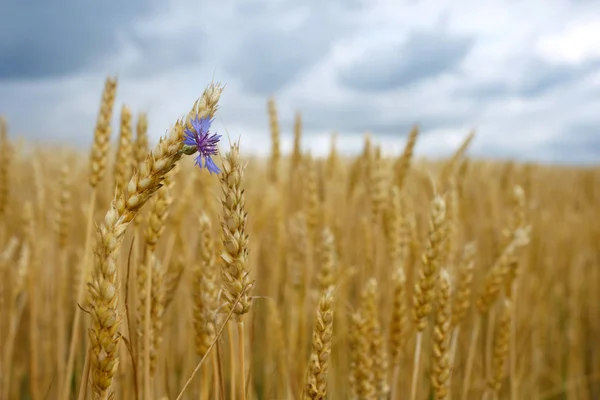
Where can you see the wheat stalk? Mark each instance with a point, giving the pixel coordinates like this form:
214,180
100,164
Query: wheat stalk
426,286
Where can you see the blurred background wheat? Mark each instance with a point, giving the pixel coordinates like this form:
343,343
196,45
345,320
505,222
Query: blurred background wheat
132,273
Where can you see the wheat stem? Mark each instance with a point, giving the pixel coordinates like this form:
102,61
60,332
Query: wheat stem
147,327
471,357
232,371
242,364
217,337
416,366
84,377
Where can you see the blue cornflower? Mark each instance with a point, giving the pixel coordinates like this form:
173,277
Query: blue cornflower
204,142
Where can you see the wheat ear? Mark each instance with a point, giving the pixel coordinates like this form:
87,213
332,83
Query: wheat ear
362,363
398,325
98,156
327,270
297,150
205,292
425,289
403,163
462,298
63,224
316,385
370,310
235,273
442,363
125,149
500,351
275,161
5,159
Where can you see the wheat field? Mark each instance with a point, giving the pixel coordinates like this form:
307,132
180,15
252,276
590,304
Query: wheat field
129,272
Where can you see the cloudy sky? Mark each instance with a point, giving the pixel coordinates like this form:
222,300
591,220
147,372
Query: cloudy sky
524,73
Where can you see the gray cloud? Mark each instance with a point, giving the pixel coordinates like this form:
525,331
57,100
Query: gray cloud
536,78
578,143
157,52
266,61
52,39
424,55
269,53
359,118
542,78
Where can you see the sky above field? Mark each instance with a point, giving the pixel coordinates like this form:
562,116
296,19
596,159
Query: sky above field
524,74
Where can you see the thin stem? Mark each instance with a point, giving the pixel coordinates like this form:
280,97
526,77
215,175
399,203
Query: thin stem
135,262
219,356
292,337
216,374
60,317
204,383
84,377
34,356
218,336
240,325
453,346
471,357
514,384
395,378
132,342
80,289
147,327
489,394
485,395
489,344
416,366
232,374
4,310
10,346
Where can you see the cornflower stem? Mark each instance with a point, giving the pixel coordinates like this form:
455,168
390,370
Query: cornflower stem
416,366
77,319
240,326
471,357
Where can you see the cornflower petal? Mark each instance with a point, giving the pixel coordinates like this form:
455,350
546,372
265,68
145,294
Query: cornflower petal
210,165
190,138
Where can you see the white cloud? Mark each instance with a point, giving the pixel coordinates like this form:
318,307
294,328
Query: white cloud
576,43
